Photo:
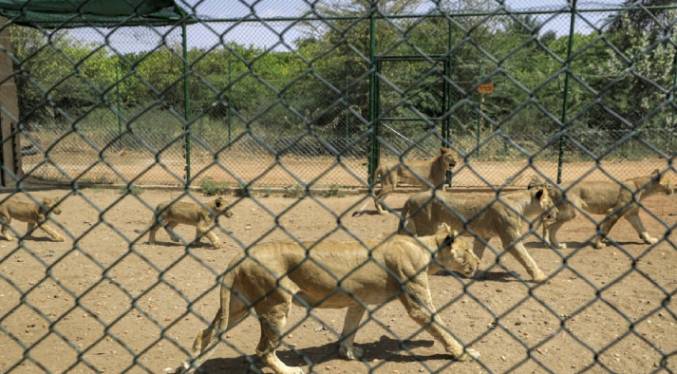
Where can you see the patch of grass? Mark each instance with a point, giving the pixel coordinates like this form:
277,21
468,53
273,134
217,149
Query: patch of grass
334,191
294,191
210,187
103,179
131,190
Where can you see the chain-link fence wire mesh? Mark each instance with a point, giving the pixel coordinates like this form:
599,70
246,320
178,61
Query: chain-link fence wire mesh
278,95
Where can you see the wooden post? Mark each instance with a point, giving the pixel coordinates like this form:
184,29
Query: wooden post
9,112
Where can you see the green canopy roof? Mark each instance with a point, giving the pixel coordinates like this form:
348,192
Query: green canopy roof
78,13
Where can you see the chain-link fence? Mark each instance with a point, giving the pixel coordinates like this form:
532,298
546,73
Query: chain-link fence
318,97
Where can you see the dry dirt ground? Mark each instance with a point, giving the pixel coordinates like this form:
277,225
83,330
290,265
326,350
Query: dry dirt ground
125,305
263,170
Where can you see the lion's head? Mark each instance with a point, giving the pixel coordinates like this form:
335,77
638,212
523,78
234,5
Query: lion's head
220,206
455,254
448,157
49,205
661,182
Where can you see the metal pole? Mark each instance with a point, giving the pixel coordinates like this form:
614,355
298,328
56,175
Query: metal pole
373,97
186,105
117,103
480,118
562,139
230,103
447,88
672,97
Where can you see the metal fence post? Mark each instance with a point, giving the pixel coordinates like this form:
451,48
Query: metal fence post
229,119
447,88
117,103
672,98
186,104
562,139
373,97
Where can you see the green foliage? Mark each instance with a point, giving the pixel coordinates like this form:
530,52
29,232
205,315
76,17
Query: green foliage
210,187
294,191
131,190
105,94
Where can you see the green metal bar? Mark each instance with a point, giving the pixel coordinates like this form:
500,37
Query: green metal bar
186,105
480,119
673,125
229,120
117,102
447,98
373,97
447,89
565,98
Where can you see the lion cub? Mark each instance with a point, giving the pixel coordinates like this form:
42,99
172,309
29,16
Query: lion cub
30,212
170,214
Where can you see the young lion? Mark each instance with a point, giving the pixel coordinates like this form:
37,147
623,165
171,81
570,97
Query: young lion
170,214
30,212
396,269
610,198
421,173
484,217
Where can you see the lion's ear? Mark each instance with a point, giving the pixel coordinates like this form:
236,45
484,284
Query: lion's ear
444,150
534,181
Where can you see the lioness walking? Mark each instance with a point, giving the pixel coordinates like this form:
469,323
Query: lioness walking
484,217
396,269
610,198
171,214
423,173
34,214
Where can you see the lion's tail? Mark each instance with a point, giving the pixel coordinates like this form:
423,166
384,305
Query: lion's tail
205,337
220,321
154,221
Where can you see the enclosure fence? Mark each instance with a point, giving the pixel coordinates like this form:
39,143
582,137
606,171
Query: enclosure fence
313,97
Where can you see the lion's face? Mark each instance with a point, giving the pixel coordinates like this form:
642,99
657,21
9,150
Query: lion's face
457,255
50,205
666,185
542,196
221,207
448,158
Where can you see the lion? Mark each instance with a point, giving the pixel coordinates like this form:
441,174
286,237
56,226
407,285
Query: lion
172,213
482,217
424,173
613,199
33,213
341,274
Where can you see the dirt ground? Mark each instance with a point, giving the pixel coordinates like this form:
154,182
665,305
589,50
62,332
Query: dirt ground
124,304
263,170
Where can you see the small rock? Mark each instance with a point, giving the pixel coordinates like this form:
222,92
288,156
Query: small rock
503,358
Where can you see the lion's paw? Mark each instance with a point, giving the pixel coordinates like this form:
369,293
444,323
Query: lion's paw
469,355
350,352
294,370
649,239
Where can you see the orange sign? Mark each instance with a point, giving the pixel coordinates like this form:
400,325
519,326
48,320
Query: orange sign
486,88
